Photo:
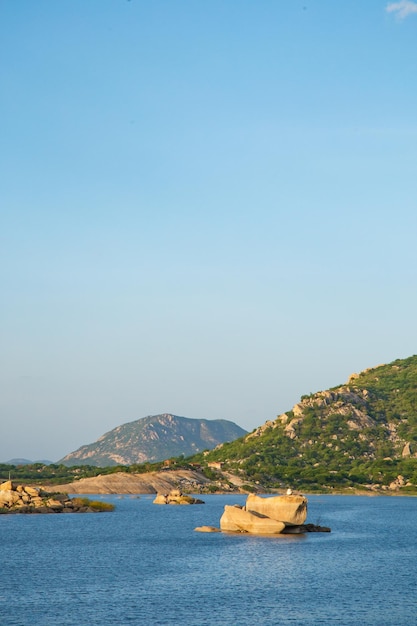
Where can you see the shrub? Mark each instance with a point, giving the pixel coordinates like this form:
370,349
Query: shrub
96,505
249,488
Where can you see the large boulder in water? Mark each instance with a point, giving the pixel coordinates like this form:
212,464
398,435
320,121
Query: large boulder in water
290,509
235,519
268,516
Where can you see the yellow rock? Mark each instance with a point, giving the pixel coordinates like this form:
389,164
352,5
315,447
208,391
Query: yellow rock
37,501
32,491
8,497
160,499
290,509
54,504
7,486
207,529
235,519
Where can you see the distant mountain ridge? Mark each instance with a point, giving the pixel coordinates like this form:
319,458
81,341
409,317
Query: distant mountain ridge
21,461
154,438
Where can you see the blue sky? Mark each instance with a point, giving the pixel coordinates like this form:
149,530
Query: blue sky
207,208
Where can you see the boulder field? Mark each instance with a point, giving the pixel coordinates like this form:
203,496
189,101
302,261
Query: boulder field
267,516
26,499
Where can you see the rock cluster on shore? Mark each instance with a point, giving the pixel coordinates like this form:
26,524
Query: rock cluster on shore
26,499
175,496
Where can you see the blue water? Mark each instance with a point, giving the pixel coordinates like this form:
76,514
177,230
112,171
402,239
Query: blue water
144,564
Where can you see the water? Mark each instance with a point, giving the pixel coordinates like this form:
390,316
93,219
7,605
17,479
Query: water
144,564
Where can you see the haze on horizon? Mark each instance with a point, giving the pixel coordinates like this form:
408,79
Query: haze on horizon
208,209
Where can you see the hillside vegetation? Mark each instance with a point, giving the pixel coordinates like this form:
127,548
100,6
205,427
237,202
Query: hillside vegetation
360,434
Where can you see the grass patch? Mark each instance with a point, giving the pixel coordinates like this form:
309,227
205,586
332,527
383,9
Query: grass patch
96,505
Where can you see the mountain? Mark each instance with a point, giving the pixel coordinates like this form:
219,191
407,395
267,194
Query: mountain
20,461
361,433
154,438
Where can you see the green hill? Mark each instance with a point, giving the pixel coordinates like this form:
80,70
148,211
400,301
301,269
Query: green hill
360,434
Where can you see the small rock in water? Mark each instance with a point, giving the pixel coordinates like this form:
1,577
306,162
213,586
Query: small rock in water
175,497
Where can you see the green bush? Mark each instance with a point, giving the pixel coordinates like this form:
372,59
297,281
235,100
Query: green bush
249,488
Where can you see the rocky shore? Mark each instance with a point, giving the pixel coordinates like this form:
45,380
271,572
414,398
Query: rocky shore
16,498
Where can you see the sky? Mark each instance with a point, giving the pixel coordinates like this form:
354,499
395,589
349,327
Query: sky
206,208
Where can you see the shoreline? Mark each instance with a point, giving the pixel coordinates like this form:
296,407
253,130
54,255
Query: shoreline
191,482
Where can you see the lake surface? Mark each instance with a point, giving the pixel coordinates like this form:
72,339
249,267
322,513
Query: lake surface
144,564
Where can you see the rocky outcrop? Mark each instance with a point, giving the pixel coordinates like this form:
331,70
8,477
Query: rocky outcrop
269,516
398,483
150,482
25,499
261,430
407,450
238,520
290,509
343,401
175,496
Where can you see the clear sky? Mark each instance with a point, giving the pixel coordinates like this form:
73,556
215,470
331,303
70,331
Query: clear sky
208,208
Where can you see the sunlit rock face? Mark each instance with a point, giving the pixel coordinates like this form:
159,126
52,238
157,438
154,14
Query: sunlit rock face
291,509
266,516
235,519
